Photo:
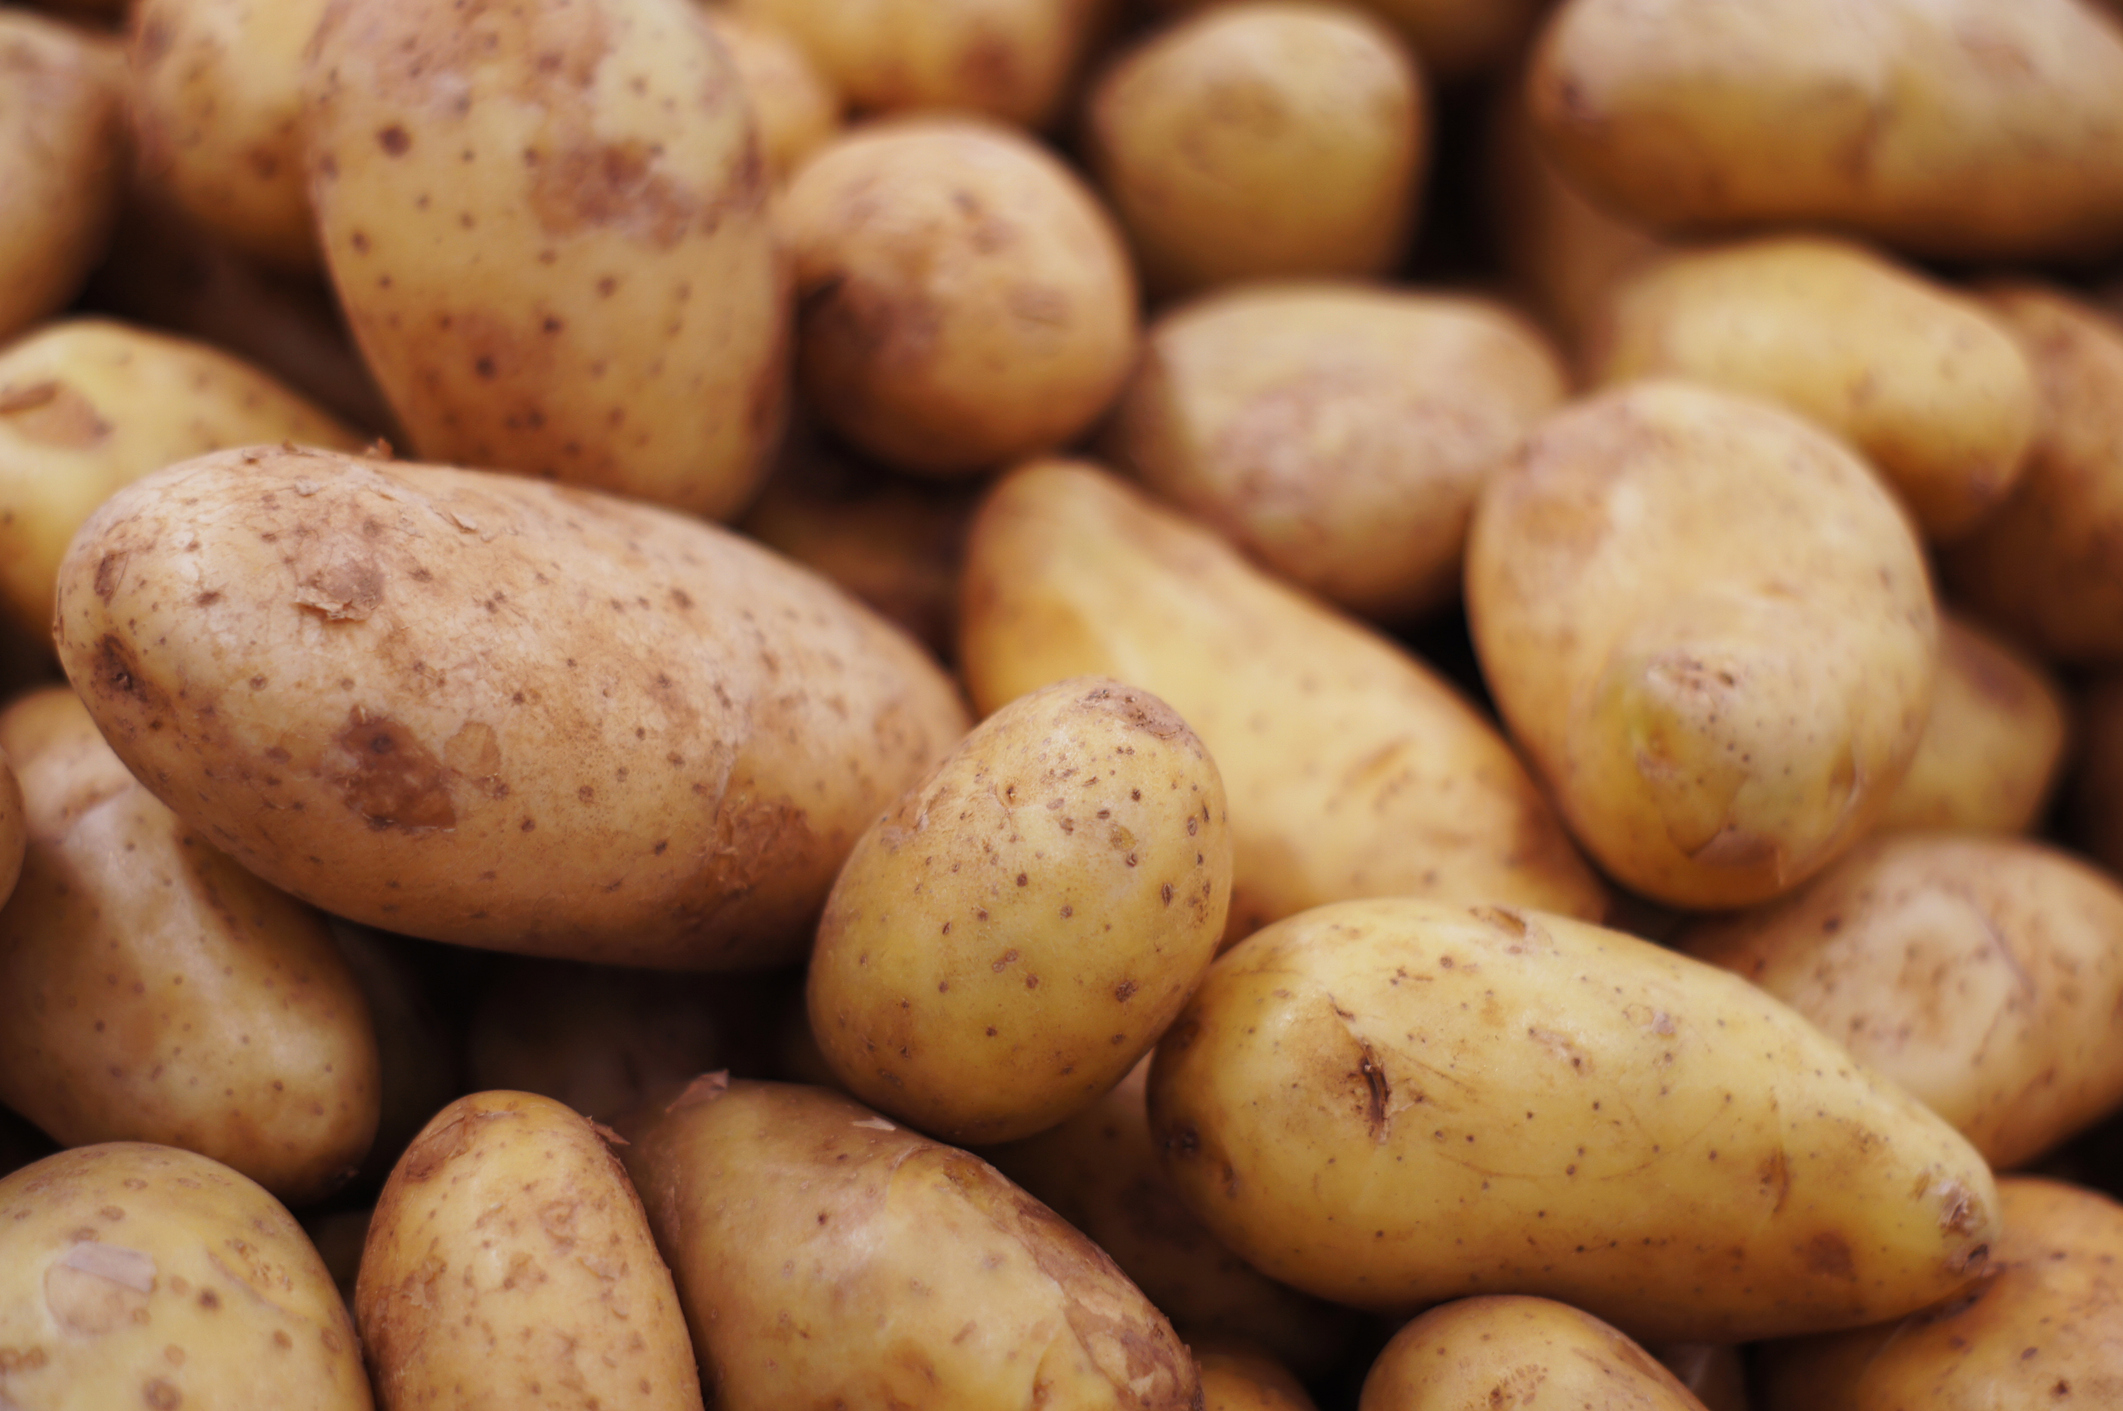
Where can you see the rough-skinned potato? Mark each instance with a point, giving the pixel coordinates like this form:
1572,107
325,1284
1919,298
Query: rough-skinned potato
1529,1353
796,108
475,708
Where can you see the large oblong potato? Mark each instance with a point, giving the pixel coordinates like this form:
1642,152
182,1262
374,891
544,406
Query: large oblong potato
1393,1102
472,707
1711,629
1519,1352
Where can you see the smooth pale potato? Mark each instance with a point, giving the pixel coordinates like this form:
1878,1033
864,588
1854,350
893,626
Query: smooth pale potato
64,149
2095,800
796,108
14,830
1529,1353
2044,569
1983,974
90,405
1338,433
963,299
1261,140
2042,1332
474,708
592,294
1002,946
1994,744
138,1275
1392,1102
1352,769
825,1255
152,990
1955,129
1241,1381
509,1263
217,110
1711,630
418,1069
1924,381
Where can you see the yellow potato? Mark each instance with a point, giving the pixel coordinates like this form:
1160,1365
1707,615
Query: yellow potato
136,1275
826,1256
89,405
471,707
1454,38
1960,129
1711,629
1393,1102
1924,381
1259,140
509,1263
796,108
1351,768
563,268
1241,1381
1518,1352
1338,433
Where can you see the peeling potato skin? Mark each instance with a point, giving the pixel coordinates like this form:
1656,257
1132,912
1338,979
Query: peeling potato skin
2041,1332
1528,1353
473,708
1351,769
823,1253
548,226
137,1275
1346,1104
509,1263
152,990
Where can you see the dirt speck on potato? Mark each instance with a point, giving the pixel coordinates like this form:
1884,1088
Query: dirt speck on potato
394,781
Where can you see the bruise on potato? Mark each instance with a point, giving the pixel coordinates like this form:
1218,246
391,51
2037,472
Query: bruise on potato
1518,1352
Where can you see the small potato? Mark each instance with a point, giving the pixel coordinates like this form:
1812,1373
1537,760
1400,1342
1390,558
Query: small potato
1259,140
1926,383
796,107
964,300
1392,1102
152,990
136,1275
509,1263
1339,434
1239,1381
89,405
827,1257
1711,629
1518,1352
1982,974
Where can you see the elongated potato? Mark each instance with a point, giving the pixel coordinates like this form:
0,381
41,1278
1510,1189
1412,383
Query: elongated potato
1392,1102
1519,1352
825,1255
1711,629
474,708
1351,768
138,1275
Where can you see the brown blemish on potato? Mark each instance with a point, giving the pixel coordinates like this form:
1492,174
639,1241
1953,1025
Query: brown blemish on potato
394,140
1139,709
1828,1254
616,184
708,1087
52,413
1378,1092
117,674
395,781
162,1396
348,588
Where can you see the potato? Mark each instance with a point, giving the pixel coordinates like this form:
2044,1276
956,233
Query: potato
1392,1102
826,1256
133,1274
2043,568
1338,433
217,105
593,294
1455,38
796,108
1518,1352
63,154
14,830
1982,974
2039,1333
509,1263
418,1071
1237,1381
1351,768
1993,745
1711,629
964,299
474,708
90,405
1926,383
1259,140
1957,129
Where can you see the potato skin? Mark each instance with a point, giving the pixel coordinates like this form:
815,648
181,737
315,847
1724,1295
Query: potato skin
509,1254
1520,1352
1453,38
470,707
133,1274
823,1253
152,990
1345,1103
1712,631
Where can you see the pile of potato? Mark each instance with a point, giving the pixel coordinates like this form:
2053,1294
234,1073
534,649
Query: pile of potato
1140,704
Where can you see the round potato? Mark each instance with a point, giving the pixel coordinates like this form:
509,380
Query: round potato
964,300
1242,1381
1508,1351
796,108
1339,434
1259,140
